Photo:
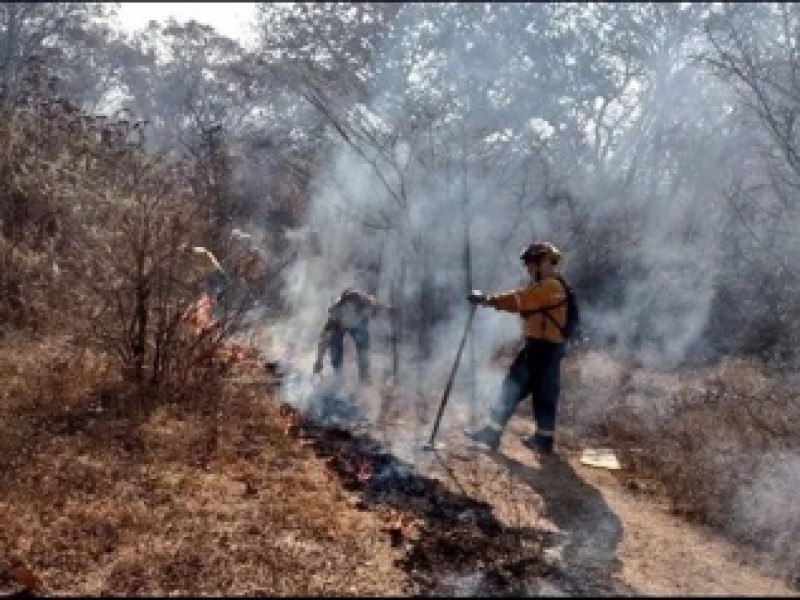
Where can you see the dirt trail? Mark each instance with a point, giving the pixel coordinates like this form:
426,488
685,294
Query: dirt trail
611,542
607,539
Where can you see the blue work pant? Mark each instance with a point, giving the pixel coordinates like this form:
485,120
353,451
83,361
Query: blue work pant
536,371
360,336
218,287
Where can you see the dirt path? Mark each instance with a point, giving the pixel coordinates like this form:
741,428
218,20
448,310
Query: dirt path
607,540
610,541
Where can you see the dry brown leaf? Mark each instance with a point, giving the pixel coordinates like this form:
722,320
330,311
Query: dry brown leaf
25,577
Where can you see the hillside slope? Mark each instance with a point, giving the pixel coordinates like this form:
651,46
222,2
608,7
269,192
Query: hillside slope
239,494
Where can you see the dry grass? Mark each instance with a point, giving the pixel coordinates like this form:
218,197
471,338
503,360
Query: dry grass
721,445
108,493
105,491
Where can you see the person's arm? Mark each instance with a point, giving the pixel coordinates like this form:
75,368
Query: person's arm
321,345
548,293
324,339
378,306
205,263
368,305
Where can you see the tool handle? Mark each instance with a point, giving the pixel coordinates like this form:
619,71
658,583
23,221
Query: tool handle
452,377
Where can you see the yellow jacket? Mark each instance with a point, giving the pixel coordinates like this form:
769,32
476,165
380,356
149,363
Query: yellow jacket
547,293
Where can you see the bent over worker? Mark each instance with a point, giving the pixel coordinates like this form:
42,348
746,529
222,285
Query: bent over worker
536,370
207,270
349,314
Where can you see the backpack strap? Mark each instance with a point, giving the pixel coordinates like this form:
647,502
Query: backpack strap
546,309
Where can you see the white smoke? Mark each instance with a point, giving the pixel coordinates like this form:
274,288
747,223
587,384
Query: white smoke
766,509
654,196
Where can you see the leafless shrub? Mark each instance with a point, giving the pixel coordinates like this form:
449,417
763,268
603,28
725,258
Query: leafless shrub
717,446
98,232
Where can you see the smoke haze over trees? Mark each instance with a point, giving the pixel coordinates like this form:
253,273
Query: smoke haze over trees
450,135
426,143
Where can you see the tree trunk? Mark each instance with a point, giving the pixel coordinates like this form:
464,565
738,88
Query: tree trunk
140,335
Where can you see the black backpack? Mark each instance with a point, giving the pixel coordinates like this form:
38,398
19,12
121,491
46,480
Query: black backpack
572,327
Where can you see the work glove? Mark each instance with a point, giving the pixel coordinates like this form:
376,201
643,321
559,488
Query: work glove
477,297
317,367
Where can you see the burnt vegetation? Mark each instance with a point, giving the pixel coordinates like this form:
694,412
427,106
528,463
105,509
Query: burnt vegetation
420,146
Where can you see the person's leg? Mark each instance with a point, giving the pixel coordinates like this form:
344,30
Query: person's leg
546,390
217,287
516,386
360,337
336,348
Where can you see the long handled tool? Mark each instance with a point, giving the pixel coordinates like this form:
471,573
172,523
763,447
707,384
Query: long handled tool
429,445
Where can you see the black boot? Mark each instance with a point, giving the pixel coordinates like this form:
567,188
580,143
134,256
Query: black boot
541,445
487,436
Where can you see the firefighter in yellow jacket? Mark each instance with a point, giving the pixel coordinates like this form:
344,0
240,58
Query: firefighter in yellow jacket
542,306
207,270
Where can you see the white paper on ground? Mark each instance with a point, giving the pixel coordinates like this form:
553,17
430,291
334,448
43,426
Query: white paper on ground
604,458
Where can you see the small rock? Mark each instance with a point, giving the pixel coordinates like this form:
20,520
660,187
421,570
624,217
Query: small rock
358,502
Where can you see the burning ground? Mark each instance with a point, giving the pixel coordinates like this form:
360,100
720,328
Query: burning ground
234,491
